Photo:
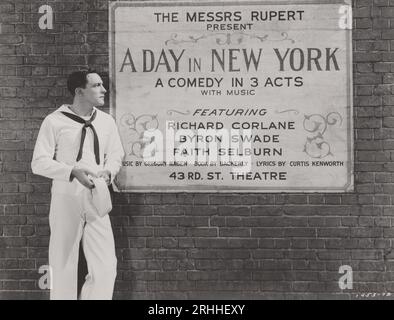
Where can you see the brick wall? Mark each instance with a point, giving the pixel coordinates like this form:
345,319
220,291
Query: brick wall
198,245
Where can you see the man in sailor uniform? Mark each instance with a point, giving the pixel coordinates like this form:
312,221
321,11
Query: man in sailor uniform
77,147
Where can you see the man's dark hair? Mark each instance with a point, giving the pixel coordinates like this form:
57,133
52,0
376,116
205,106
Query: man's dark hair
78,79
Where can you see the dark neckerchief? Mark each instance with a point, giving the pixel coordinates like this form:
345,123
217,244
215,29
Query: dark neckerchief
86,124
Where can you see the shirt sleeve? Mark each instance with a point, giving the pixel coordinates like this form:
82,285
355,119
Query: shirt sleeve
43,162
114,152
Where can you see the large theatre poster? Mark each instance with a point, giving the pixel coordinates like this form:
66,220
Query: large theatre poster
233,96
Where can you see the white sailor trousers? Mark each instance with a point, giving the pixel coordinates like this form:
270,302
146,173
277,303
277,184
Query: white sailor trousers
72,217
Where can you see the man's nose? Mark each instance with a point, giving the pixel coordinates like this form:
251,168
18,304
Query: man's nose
103,89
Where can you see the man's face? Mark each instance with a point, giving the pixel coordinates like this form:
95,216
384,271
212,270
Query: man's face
94,91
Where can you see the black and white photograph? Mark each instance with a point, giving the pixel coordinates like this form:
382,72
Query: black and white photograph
197,155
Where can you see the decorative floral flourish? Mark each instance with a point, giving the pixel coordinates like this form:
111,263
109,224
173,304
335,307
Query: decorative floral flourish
133,132
172,111
316,146
296,112
223,38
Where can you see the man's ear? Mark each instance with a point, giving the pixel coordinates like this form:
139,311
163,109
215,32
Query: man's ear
78,91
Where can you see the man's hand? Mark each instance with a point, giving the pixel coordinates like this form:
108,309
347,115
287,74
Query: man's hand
106,174
82,175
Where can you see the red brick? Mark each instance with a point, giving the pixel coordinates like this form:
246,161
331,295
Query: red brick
94,48
236,211
367,57
7,70
27,230
73,16
388,78
16,166
11,60
138,232
13,242
44,60
8,92
7,49
10,39
169,210
388,56
10,285
366,123
70,38
10,82
362,12
367,101
71,60
387,34
40,82
97,59
97,37
192,232
13,252
363,23
380,23
234,232
209,242
382,90
39,38
168,199
38,198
